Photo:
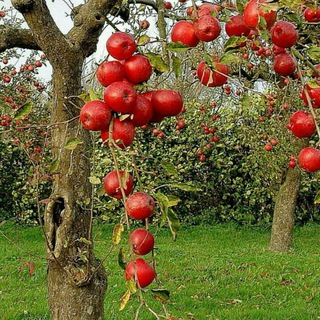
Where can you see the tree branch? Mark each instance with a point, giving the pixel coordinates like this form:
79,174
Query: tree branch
11,37
89,19
47,34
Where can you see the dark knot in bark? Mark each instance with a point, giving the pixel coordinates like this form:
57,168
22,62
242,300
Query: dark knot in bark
23,6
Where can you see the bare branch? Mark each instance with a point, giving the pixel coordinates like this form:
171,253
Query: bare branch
11,37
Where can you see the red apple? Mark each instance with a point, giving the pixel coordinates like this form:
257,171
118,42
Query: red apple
302,124
120,97
142,241
284,64
167,102
207,9
292,164
284,34
309,159
168,5
140,206
95,115
256,9
212,77
121,45
109,72
312,15
141,271
142,111
268,147
236,27
144,24
207,28
112,186
122,133
137,69
183,31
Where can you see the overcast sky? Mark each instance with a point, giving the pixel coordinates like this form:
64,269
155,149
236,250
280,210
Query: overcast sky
58,9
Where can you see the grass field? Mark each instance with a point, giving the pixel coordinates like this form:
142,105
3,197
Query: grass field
217,272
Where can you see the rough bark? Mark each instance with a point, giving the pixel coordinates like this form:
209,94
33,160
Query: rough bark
285,205
283,216
76,280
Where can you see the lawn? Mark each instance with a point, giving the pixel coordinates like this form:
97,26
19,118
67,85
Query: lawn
212,272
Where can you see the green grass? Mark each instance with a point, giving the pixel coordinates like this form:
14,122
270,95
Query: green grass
217,272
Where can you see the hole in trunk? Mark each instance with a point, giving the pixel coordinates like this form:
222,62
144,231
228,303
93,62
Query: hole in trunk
56,212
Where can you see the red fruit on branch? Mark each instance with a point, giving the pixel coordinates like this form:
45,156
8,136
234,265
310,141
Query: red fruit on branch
111,183
207,28
137,69
212,77
167,102
121,45
284,64
141,271
284,34
302,124
236,27
120,97
309,159
257,9
142,111
122,133
312,15
140,206
184,32
95,115
142,241
109,72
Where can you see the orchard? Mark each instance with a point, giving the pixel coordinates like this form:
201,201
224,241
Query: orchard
213,108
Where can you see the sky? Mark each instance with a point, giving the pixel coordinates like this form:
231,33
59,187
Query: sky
58,9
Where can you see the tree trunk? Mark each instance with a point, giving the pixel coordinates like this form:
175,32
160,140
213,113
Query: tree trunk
284,210
283,216
76,281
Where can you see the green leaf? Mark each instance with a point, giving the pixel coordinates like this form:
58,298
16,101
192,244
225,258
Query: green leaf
94,180
163,205
317,198
124,300
157,62
131,285
144,39
54,165
185,187
122,258
173,200
23,111
314,53
85,96
170,168
229,58
234,42
117,231
93,95
177,47
161,294
85,241
72,143
176,66
174,223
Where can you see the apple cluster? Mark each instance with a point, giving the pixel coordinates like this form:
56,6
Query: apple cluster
122,110
139,206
